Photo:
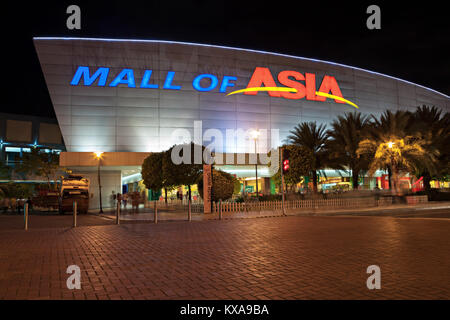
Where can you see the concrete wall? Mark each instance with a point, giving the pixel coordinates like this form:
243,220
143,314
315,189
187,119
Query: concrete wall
110,181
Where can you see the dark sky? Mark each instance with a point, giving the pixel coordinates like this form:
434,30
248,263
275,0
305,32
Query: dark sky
413,43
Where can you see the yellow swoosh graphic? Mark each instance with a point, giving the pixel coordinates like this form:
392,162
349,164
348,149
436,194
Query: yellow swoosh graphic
264,89
323,94
284,89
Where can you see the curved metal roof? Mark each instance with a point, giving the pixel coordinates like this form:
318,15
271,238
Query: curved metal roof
240,49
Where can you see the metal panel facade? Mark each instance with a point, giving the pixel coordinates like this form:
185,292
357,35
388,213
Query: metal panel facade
122,118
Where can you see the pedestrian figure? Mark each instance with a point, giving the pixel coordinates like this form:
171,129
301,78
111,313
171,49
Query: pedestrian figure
125,200
20,204
113,198
377,195
30,204
135,201
119,198
6,203
3,204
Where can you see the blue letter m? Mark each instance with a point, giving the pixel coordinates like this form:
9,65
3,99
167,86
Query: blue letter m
88,80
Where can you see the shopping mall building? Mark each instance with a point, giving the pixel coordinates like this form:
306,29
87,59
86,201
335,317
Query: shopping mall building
128,98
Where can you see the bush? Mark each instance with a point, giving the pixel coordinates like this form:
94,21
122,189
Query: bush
223,185
239,200
16,190
270,197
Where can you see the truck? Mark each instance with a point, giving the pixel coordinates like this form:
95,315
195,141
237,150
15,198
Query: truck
74,188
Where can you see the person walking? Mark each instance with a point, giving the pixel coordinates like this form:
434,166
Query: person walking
10,203
20,204
125,200
113,198
119,198
135,201
6,204
377,195
30,204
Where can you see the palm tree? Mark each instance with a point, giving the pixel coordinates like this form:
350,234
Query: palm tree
313,139
431,125
346,134
391,123
427,116
391,146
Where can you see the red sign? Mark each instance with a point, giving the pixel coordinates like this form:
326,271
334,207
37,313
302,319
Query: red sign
263,77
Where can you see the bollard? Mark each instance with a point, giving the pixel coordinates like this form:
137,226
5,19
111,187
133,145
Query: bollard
74,214
220,209
25,215
118,213
156,213
189,210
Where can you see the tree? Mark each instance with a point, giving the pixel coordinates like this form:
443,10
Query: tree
444,157
182,173
153,173
346,134
300,165
429,124
223,185
5,171
390,124
312,138
40,163
389,146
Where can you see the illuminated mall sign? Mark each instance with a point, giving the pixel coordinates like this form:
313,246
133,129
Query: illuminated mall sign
296,84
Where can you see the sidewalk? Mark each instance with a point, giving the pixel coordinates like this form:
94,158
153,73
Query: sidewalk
396,208
288,258
146,214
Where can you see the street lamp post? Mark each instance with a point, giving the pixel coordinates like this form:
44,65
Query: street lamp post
282,183
98,155
212,180
393,176
255,134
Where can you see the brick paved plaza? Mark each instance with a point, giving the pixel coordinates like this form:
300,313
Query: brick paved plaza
261,258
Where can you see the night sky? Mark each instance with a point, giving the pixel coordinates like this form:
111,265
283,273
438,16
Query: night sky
413,43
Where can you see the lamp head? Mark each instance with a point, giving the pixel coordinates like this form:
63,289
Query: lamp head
254,134
98,154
